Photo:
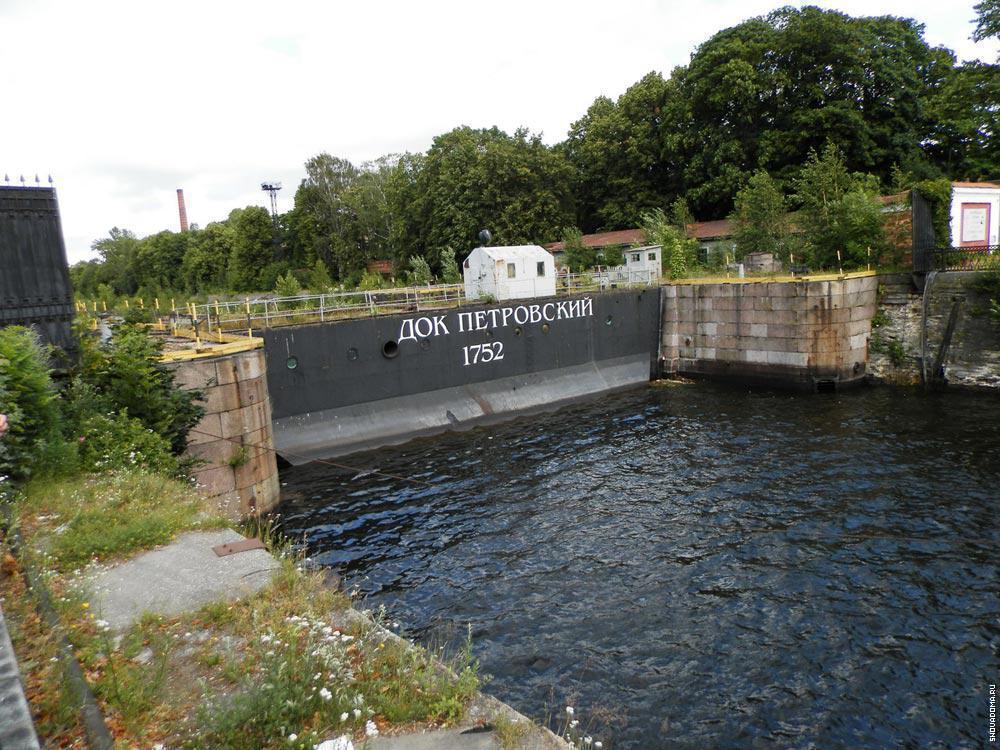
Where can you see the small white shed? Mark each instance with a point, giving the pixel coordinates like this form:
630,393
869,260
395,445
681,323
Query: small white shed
975,214
513,272
644,260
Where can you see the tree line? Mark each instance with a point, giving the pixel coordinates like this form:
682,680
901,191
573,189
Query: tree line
761,102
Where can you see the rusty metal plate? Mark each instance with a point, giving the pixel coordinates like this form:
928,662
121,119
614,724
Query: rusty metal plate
231,548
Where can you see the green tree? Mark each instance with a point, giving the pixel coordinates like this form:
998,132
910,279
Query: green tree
965,120
762,94
252,248
323,217
680,215
119,254
839,211
579,258
161,258
987,20
678,252
515,186
617,150
449,267
207,258
760,218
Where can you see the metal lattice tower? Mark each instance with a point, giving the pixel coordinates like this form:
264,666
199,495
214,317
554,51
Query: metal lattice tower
272,188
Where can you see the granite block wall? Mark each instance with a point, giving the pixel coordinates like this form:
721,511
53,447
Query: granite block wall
233,442
793,333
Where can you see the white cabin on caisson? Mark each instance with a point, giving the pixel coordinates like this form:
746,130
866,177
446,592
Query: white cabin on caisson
514,272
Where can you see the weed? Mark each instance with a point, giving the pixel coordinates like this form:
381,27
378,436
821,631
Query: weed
509,733
240,457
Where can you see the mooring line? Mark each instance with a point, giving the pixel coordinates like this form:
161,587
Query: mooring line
264,448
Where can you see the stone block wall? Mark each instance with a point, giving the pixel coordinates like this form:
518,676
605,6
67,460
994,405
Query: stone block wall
233,441
791,333
902,339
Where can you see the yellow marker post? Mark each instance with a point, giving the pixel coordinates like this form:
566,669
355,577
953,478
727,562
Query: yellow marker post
126,303
869,258
104,305
142,305
840,263
156,302
173,305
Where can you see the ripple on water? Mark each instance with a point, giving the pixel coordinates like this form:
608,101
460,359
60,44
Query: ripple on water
712,567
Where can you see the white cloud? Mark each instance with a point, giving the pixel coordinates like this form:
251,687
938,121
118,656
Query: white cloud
123,102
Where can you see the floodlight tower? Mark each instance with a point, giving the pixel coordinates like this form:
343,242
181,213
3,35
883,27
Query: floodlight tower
272,188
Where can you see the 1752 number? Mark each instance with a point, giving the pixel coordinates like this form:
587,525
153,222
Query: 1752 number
479,353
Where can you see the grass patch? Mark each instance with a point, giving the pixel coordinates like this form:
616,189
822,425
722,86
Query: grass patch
511,734
73,521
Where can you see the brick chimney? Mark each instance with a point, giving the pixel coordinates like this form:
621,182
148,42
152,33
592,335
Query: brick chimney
182,210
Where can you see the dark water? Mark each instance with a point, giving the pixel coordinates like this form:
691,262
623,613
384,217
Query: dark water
705,567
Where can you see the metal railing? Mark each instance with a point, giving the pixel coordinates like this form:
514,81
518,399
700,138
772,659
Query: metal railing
264,312
965,258
599,281
210,319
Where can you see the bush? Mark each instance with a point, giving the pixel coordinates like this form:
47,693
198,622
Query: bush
450,274
371,281
839,212
319,277
288,286
109,442
28,398
128,375
420,271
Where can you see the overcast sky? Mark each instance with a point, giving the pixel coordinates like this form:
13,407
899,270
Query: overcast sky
124,102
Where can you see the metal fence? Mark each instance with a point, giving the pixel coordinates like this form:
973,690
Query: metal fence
965,258
254,313
264,312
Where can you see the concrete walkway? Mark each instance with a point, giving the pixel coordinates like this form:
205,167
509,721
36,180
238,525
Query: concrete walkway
180,577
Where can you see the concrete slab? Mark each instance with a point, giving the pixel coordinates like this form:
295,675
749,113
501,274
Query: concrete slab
449,739
179,577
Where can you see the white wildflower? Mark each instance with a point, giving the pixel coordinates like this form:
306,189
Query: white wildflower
325,694
292,737
573,724
344,716
569,710
340,743
370,729
357,713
